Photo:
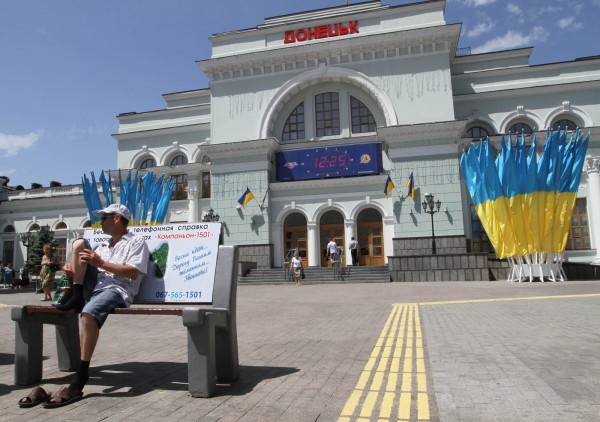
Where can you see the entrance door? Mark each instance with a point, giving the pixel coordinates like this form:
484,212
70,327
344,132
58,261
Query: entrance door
335,232
332,227
370,238
294,235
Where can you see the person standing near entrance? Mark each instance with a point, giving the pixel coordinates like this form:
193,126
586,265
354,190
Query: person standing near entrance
296,267
354,251
331,249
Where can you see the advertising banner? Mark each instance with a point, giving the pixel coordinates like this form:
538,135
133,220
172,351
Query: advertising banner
183,259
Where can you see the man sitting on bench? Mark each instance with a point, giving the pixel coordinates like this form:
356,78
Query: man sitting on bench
107,278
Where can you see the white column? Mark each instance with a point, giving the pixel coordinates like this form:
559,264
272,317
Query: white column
277,239
313,244
592,167
388,237
193,192
350,231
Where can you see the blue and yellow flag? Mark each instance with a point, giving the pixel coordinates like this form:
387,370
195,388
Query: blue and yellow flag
246,197
410,184
389,185
525,204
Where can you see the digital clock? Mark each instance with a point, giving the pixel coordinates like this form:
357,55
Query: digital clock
320,163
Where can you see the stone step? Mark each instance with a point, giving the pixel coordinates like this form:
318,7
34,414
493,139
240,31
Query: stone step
317,275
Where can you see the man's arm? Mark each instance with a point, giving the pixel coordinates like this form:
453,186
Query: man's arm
120,270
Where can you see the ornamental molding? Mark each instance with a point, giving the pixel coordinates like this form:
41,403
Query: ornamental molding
244,148
411,135
592,164
368,48
321,75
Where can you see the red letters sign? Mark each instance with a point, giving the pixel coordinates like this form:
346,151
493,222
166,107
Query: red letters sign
318,32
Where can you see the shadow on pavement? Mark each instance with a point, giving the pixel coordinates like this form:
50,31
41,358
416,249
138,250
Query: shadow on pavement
132,379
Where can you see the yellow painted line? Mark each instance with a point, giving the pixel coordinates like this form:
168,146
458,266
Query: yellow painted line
392,386
504,299
387,405
404,406
422,407
352,403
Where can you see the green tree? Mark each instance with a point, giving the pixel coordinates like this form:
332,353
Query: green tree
36,252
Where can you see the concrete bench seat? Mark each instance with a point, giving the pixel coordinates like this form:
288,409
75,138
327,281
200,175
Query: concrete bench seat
212,332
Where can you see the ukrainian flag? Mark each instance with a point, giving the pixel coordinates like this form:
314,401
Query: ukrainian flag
410,184
389,185
525,205
246,197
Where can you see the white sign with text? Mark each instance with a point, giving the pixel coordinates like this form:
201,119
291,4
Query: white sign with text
183,260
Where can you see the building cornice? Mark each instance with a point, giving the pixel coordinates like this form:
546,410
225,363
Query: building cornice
171,130
422,134
165,112
534,90
369,48
340,182
244,148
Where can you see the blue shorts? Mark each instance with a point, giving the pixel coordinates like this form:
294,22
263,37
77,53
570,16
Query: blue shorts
102,303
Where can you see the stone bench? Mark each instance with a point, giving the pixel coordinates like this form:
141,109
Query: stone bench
211,328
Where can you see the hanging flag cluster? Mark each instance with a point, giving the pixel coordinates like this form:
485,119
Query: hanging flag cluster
148,200
525,202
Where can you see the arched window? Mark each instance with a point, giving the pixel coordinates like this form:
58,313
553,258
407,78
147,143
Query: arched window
564,123
148,163
178,160
327,114
34,227
519,128
87,224
362,118
61,226
477,132
9,229
180,179
294,125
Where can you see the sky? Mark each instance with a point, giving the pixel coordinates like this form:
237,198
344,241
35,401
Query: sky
69,67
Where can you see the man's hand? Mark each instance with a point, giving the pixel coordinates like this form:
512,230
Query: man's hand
68,270
91,258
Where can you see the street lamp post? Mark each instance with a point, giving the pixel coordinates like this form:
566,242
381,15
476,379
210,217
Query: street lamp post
431,208
27,239
210,216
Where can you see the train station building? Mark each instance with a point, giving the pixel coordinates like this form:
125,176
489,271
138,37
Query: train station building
313,111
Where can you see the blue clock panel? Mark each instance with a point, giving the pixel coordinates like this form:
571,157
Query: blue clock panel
323,163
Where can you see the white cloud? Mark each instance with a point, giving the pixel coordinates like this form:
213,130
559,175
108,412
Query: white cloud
569,23
480,28
551,9
512,39
514,9
13,144
478,3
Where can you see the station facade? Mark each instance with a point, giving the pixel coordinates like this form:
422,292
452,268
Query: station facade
313,111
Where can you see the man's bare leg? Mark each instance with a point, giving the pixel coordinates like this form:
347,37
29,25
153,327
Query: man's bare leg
79,268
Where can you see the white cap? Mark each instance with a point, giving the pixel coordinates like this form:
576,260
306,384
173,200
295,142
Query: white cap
115,209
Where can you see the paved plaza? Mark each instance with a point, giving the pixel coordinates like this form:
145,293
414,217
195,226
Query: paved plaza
446,351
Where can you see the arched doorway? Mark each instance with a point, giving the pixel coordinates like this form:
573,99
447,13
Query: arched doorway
294,235
370,237
332,227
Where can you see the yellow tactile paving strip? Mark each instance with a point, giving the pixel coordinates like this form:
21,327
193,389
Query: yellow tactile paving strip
393,383
397,362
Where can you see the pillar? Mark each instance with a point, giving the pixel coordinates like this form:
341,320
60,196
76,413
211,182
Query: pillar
350,232
193,193
314,249
592,167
